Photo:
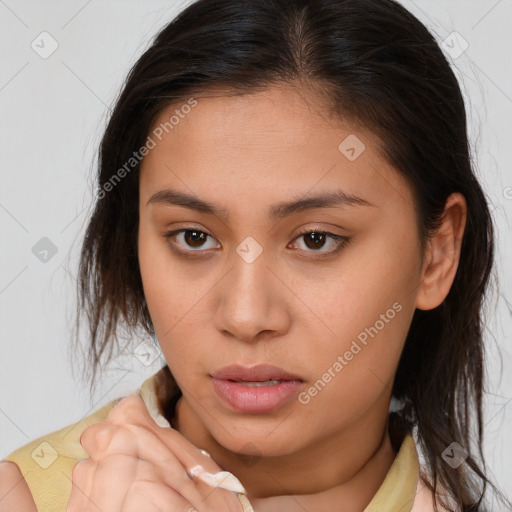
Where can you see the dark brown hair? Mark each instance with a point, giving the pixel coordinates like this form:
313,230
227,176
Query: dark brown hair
375,64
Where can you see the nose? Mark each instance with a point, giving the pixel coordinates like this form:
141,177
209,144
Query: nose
251,303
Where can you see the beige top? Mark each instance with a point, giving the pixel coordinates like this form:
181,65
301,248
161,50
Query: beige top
47,464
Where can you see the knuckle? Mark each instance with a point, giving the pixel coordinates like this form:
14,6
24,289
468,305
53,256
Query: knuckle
82,469
124,441
97,437
188,486
128,410
84,437
114,439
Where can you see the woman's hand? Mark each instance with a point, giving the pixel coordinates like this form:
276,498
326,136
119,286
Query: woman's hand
135,465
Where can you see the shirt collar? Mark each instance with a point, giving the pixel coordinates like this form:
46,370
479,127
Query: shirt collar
396,493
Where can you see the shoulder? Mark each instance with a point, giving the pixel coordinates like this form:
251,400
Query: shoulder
41,470
15,495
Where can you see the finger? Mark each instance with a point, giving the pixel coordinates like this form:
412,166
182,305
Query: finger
113,478
132,410
216,498
82,481
155,496
211,495
119,484
96,436
137,440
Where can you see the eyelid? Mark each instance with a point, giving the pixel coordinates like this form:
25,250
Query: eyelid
341,240
170,234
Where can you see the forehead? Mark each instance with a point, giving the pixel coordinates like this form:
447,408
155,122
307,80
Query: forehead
279,116
271,142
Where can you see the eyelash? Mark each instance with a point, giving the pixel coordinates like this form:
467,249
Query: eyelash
342,241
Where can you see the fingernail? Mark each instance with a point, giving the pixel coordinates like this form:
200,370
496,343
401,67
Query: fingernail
222,479
204,452
246,505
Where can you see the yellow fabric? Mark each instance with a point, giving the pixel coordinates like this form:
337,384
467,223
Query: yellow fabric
398,490
47,463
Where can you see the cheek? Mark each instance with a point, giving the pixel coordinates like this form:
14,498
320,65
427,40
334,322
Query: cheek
357,370
370,278
173,303
368,309
160,281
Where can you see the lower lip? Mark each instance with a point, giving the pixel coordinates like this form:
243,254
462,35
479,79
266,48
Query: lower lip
255,399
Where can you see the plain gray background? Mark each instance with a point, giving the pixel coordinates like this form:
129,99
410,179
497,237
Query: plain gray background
53,111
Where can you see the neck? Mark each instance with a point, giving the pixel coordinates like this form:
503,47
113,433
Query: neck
348,468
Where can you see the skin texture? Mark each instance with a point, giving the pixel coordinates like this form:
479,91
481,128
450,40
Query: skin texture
289,307
14,492
135,465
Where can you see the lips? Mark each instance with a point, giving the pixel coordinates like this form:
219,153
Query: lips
257,373
259,389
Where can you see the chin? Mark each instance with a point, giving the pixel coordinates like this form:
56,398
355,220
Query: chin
256,442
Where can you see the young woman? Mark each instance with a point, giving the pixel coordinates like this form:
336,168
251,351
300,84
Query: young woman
286,204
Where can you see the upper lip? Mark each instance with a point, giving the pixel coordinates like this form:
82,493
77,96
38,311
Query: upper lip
257,373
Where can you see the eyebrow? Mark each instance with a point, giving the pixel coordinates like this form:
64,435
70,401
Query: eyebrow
337,198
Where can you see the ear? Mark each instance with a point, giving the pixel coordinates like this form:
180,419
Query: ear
442,254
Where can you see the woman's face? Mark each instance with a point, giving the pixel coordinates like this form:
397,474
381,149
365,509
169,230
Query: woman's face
243,285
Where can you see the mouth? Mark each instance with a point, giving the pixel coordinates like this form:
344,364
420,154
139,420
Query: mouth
257,383
256,390
260,373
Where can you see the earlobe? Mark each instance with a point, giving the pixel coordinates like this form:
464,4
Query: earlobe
443,254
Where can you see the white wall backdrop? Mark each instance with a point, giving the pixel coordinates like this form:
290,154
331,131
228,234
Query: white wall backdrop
62,63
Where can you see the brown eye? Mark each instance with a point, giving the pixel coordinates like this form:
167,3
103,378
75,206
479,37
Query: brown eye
194,238
315,241
190,240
